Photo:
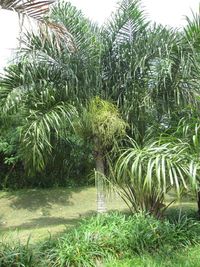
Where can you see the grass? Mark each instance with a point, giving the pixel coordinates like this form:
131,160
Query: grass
44,212
50,212
112,240
117,236
189,257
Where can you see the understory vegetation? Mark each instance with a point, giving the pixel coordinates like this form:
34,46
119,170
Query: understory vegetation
114,237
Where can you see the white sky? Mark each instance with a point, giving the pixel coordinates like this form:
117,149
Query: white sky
167,12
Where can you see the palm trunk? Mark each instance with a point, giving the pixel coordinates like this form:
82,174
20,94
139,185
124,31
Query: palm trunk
198,202
101,203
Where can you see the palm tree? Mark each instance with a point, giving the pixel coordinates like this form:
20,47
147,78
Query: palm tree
147,71
102,125
59,76
150,64
152,73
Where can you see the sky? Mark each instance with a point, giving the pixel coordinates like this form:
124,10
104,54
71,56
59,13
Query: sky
167,12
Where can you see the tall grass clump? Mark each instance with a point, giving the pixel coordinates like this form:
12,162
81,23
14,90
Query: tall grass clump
105,238
119,236
16,255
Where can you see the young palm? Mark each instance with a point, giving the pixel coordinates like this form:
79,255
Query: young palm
143,175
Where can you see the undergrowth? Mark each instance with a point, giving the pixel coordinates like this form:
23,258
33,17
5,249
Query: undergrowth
120,236
104,237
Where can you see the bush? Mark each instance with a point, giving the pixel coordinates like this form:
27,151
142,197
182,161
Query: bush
16,255
120,236
105,238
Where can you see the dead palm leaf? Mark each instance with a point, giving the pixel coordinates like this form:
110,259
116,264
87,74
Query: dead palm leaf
32,8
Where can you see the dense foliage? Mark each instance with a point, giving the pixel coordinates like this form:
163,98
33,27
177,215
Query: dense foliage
82,86
122,99
114,236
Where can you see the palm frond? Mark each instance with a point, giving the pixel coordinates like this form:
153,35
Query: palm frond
192,29
32,8
174,159
143,175
126,24
36,134
75,59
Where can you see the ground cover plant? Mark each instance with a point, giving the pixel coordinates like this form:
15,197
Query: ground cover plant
119,236
16,255
113,236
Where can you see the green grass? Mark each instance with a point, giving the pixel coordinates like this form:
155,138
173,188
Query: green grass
44,212
50,212
112,240
189,257
118,236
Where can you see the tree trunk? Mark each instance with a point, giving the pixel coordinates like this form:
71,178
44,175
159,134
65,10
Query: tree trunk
100,172
198,202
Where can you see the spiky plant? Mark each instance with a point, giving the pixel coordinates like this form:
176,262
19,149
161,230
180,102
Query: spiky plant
143,175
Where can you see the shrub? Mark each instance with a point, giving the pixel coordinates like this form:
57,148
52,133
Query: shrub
16,255
119,236
105,238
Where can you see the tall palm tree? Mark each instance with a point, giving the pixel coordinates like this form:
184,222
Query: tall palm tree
150,64
59,76
147,71
102,125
